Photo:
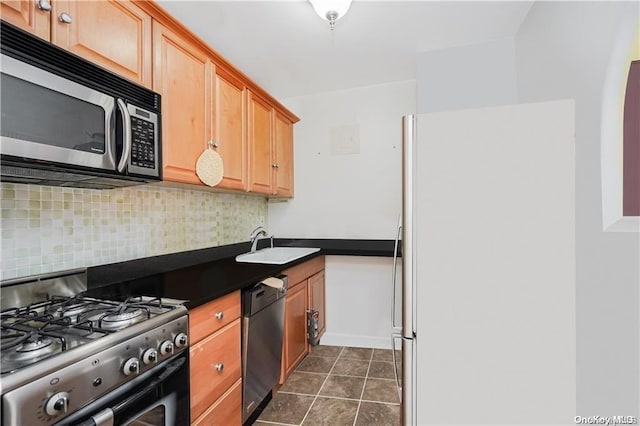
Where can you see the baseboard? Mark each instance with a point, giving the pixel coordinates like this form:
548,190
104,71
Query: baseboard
356,341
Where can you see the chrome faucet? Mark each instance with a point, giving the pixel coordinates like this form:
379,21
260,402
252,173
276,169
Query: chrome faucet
255,236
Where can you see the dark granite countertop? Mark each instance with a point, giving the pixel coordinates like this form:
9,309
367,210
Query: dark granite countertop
199,276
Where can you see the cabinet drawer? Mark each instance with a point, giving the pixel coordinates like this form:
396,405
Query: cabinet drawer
305,270
207,319
214,367
227,411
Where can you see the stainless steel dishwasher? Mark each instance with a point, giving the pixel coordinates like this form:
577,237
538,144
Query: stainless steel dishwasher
262,331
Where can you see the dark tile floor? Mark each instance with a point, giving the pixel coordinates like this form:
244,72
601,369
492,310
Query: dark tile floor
338,386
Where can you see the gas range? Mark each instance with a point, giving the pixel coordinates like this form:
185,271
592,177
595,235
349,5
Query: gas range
59,354
35,332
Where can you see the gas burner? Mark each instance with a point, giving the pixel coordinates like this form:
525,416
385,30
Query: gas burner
10,338
120,320
33,348
34,343
69,311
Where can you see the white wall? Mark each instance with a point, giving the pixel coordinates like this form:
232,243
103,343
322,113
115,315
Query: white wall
563,51
358,291
355,195
467,77
346,195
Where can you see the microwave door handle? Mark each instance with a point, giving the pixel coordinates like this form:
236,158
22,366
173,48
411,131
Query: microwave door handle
106,416
126,126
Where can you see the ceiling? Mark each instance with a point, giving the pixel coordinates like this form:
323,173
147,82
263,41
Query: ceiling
290,51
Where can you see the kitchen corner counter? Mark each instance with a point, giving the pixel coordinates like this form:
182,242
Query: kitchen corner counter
199,276
342,247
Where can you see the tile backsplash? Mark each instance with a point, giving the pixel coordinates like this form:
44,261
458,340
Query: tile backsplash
47,229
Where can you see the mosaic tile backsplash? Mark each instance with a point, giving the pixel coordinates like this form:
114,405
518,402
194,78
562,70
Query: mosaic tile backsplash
47,229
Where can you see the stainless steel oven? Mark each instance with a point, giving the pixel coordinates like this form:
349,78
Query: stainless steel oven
64,115
68,358
158,397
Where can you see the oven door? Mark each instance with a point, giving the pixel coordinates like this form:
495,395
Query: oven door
159,397
49,118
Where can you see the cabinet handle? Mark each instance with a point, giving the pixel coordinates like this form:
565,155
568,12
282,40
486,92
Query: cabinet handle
219,315
44,5
219,367
65,18
275,165
212,144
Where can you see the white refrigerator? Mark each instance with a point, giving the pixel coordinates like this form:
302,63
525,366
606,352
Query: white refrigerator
488,266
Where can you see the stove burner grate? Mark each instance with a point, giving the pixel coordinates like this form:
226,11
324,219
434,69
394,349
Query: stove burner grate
10,338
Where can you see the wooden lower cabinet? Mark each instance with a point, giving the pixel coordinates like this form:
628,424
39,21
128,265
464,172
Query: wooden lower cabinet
306,291
317,299
295,345
225,411
215,362
208,318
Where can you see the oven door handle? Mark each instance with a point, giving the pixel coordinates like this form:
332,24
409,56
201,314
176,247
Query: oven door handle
105,417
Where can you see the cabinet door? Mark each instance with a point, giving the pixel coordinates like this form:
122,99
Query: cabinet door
283,153
229,135
260,134
30,15
180,76
295,345
227,410
215,365
113,34
317,299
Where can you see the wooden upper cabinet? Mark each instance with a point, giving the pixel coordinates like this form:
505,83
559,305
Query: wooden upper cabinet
260,137
204,98
181,73
283,155
113,34
30,15
229,132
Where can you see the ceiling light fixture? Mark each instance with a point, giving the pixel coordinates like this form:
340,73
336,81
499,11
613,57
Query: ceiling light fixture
331,10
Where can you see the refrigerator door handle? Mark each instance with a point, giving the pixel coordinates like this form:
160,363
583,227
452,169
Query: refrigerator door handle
394,337
394,280
408,224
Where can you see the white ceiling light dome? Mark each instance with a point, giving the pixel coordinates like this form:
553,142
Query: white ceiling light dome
331,10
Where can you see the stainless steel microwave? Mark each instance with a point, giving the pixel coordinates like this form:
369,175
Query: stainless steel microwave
67,122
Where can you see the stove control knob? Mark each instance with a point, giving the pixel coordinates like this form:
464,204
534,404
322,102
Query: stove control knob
180,340
166,347
57,404
150,356
131,366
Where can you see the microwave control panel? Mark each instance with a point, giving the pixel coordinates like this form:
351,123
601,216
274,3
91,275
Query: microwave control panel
144,142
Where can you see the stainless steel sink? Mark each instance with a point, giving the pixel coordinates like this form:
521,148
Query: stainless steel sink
276,255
